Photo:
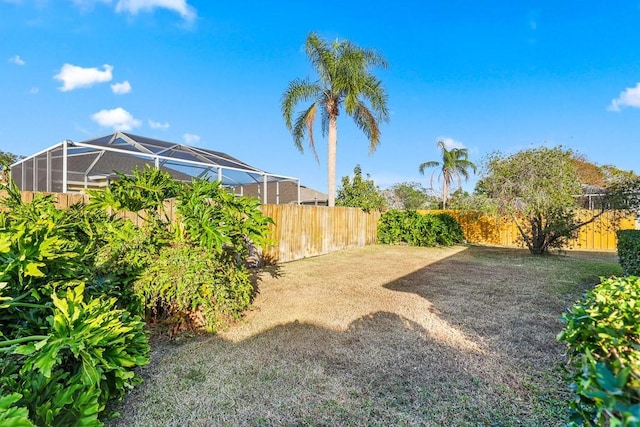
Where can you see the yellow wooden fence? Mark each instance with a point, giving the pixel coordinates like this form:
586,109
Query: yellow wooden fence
599,235
305,231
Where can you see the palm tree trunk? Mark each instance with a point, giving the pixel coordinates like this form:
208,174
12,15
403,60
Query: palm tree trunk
332,143
444,194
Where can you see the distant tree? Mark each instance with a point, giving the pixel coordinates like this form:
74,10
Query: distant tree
360,192
344,81
454,163
588,173
624,194
537,188
6,160
409,195
614,175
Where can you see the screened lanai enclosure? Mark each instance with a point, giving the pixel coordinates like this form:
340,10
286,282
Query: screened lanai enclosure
73,167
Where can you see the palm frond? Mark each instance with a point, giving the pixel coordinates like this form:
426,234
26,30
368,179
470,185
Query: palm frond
299,90
374,92
430,164
322,57
304,125
368,124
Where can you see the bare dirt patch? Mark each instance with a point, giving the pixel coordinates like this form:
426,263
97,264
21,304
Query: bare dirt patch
381,336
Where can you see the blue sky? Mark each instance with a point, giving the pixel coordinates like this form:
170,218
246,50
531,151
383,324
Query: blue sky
492,75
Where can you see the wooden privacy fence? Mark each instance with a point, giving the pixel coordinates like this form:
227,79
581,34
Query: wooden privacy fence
305,231
599,235
299,231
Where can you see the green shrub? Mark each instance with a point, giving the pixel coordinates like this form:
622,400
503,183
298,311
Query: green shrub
85,357
419,230
629,251
452,230
12,415
63,353
602,333
216,219
194,288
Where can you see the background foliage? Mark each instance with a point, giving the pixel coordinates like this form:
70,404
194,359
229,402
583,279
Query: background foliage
409,195
360,192
537,188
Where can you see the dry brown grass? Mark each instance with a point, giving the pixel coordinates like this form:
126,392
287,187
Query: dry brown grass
380,336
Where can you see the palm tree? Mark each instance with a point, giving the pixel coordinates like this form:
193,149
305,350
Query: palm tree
455,162
344,81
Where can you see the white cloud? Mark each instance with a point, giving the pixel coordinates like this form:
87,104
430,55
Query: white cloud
117,118
158,125
17,60
450,143
134,6
34,90
121,88
74,77
191,138
630,97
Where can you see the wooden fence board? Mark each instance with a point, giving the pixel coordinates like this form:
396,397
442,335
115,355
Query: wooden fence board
306,231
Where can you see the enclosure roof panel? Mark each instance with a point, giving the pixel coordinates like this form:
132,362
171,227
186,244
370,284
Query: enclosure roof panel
150,146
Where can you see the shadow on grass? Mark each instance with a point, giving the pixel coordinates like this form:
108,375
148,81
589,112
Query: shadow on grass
384,368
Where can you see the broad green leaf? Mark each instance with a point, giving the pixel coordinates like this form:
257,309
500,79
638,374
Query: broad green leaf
33,269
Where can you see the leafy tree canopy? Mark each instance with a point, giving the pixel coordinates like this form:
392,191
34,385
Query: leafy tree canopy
359,192
537,188
6,159
590,173
409,195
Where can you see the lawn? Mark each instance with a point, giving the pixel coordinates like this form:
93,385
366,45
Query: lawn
381,335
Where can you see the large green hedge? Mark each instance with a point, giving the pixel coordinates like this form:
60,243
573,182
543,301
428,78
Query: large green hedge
75,283
602,333
66,348
629,251
416,229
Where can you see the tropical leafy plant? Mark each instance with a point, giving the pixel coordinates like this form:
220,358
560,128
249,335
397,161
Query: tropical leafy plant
216,219
194,274
12,415
63,354
143,193
194,288
85,359
602,334
344,81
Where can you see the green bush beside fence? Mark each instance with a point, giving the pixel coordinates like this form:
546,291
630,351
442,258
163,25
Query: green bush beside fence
416,229
629,251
